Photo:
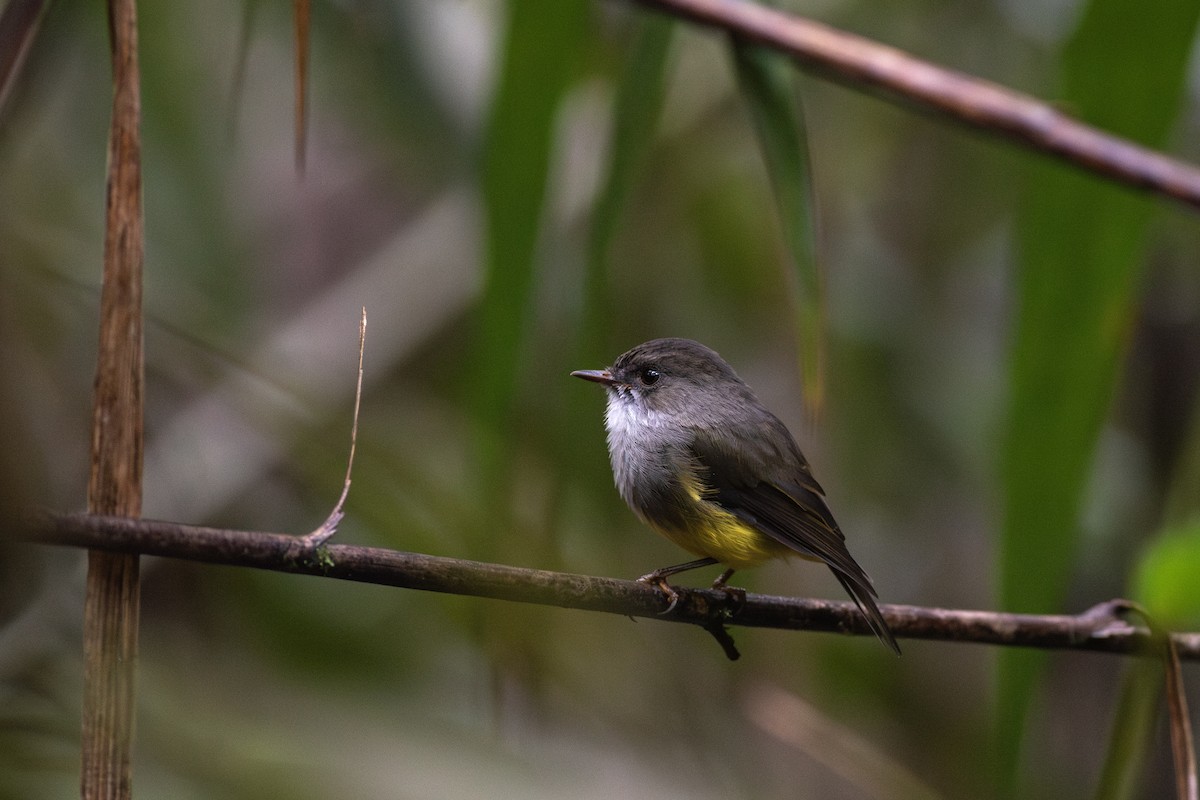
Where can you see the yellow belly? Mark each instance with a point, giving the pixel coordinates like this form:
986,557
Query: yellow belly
718,534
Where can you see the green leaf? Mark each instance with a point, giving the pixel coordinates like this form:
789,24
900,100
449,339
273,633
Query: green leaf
1165,581
1081,244
635,112
637,106
766,81
543,45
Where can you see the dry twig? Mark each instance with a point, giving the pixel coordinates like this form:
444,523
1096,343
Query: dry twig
329,527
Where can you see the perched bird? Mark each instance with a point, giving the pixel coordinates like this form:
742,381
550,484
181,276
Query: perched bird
701,461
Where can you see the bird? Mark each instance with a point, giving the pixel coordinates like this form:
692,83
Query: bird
701,461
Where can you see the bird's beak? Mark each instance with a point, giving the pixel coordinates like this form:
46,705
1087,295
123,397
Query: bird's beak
595,376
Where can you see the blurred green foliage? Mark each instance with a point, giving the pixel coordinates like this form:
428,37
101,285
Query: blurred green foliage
516,190
1082,247
1165,581
765,79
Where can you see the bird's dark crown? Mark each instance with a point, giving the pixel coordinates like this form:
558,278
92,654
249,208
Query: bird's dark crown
673,358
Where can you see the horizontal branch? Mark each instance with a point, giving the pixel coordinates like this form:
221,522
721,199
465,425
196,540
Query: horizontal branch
862,63
1100,629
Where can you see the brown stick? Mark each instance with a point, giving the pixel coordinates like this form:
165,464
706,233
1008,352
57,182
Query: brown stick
115,484
1102,628
862,63
301,13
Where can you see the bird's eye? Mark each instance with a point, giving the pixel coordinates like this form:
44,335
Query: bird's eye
649,376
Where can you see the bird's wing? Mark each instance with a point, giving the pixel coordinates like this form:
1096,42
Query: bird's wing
788,505
772,490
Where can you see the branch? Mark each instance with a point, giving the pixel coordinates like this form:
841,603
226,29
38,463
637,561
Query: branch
1101,628
987,106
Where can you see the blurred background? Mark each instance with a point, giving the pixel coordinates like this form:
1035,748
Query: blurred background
515,190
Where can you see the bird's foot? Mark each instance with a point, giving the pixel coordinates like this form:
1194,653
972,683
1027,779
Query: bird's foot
657,578
736,597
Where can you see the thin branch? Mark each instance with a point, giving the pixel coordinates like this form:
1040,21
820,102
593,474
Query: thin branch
1101,628
862,63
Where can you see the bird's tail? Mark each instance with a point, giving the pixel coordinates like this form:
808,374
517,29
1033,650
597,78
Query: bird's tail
864,597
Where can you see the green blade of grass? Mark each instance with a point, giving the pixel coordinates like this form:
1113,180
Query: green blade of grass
1080,247
636,110
1165,579
1133,726
540,58
766,83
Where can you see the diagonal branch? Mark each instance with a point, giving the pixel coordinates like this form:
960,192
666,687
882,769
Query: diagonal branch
1101,628
862,63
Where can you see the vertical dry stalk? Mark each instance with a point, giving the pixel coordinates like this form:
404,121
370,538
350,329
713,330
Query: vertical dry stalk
115,485
302,10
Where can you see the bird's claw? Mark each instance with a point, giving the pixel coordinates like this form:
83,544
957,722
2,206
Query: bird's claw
670,592
735,598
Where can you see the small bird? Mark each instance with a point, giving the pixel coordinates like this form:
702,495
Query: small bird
701,461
